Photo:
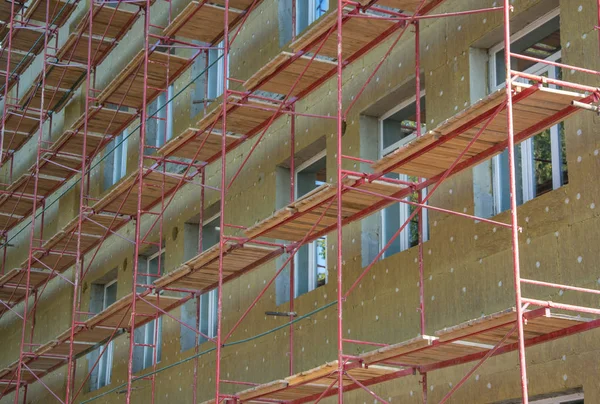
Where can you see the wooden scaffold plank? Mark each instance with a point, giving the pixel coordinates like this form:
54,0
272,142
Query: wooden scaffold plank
434,152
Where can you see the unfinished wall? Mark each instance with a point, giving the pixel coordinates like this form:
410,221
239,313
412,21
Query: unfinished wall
468,268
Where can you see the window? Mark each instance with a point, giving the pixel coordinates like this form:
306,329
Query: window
115,156
208,301
208,77
308,11
541,164
310,268
150,268
109,296
103,294
116,163
159,126
396,128
216,74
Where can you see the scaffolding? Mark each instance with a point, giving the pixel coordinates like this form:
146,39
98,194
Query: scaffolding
244,113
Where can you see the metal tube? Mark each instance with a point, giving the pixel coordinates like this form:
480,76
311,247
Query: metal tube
71,368
474,368
561,306
222,204
140,191
42,116
559,286
339,260
513,202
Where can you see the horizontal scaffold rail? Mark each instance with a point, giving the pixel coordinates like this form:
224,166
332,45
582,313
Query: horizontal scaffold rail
467,342
88,335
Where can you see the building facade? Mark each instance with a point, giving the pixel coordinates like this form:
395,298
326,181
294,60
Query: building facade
468,267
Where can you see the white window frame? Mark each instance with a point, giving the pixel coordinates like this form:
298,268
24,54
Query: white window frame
560,399
149,327
313,269
404,236
527,146
401,142
311,12
106,360
515,37
216,81
164,115
212,314
212,295
120,157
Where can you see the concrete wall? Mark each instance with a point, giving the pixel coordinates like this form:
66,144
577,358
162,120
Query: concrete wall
468,268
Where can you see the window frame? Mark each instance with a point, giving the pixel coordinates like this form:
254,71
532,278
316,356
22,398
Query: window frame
407,102
216,72
105,362
164,117
513,38
311,13
313,269
404,214
527,180
149,327
211,322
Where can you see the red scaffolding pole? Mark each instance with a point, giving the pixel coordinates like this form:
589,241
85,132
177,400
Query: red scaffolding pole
343,375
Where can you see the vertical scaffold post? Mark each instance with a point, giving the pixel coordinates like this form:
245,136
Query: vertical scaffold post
420,196
513,201
292,197
140,190
8,73
338,156
222,201
197,297
75,307
42,116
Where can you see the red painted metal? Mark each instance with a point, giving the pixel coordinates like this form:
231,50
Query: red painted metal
560,286
224,188
23,348
513,203
418,209
140,190
474,368
287,107
75,307
339,160
561,306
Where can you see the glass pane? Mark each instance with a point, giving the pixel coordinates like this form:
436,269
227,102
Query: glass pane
110,294
310,260
563,154
413,227
302,270
308,11
204,310
542,162
321,258
159,340
149,340
541,43
214,322
504,180
321,6
210,234
391,223
402,124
